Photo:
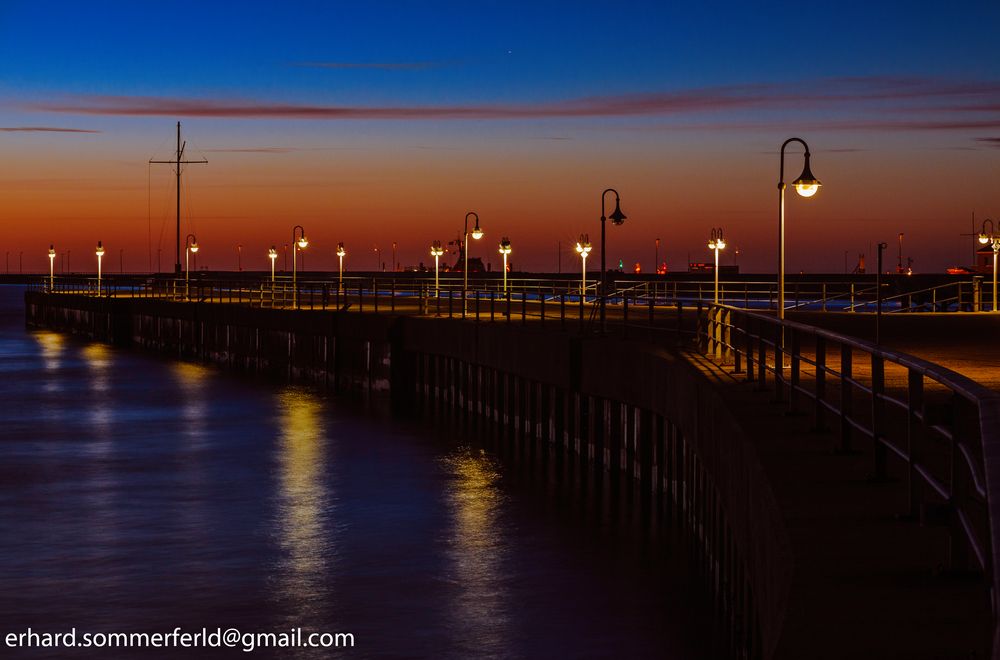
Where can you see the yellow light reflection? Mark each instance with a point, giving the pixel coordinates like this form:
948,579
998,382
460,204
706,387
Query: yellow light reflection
478,548
304,501
98,358
52,345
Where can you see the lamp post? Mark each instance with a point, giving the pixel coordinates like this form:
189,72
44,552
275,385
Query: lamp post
341,253
378,258
477,233
52,266
190,247
505,250
100,253
436,251
992,238
806,185
583,248
394,256
239,258
272,254
656,259
715,244
617,218
297,244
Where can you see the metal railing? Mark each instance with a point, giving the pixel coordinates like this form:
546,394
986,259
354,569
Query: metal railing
941,425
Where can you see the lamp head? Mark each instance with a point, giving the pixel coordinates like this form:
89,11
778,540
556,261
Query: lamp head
436,249
504,245
806,185
340,250
617,217
711,244
720,244
984,238
100,249
194,247
477,233
272,253
52,251
303,242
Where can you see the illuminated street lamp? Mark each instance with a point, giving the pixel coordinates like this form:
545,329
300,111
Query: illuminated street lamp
297,244
583,249
436,251
100,253
505,250
617,218
806,185
717,243
991,238
272,254
52,266
477,233
190,247
341,253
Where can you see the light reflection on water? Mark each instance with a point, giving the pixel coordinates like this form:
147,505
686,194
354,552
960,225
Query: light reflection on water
479,550
305,503
140,494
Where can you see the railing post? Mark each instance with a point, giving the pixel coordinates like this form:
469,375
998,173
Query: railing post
493,299
793,385
851,308
524,307
625,314
508,306
846,396
779,361
824,296
562,310
541,302
914,436
878,416
819,411
477,304
375,293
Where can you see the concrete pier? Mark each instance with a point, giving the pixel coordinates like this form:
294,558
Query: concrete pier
678,427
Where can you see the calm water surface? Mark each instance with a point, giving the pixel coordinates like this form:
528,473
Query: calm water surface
140,494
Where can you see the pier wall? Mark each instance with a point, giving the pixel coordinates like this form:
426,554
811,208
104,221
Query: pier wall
626,409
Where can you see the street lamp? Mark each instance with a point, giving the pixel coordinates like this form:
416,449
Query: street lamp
806,185
617,218
341,253
993,239
436,251
52,266
297,244
717,243
239,258
272,254
190,247
100,253
477,233
505,250
583,249
378,258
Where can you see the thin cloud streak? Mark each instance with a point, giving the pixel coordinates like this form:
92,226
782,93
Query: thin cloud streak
796,97
990,141
44,129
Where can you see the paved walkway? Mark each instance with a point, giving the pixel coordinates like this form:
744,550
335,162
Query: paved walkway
867,582
968,343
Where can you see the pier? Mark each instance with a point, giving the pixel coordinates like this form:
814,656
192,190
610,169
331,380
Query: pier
833,489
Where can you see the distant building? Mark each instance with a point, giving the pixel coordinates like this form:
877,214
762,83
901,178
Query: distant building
708,267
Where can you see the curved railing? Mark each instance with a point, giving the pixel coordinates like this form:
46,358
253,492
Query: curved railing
943,426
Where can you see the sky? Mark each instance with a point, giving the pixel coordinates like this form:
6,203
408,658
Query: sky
379,122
